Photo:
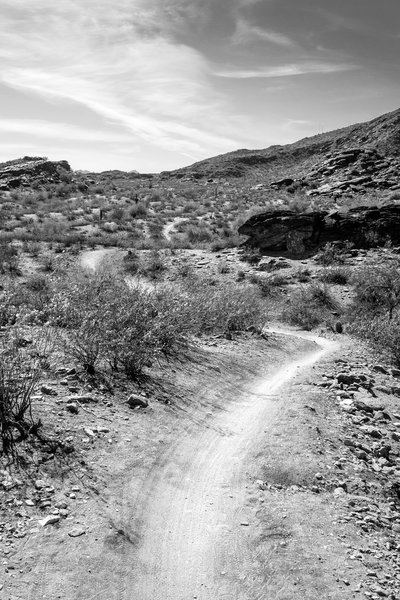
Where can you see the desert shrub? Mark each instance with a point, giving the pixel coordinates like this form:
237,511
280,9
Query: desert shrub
377,287
8,310
303,275
382,332
213,309
117,214
154,265
278,279
308,306
184,270
47,264
8,259
336,275
132,263
138,211
33,298
241,275
223,268
20,371
332,254
198,233
252,257
104,319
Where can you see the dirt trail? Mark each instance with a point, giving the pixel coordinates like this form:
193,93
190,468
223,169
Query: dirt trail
194,522
92,259
169,227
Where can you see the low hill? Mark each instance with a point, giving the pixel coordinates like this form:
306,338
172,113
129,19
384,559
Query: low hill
379,138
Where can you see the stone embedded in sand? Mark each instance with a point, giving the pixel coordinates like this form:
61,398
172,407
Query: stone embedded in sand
50,520
135,401
76,532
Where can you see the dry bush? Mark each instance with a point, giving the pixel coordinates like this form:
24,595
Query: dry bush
20,371
382,332
8,259
335,275
308,306
377,287
214,309
332,254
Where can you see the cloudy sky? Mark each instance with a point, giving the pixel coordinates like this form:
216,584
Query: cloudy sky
158,84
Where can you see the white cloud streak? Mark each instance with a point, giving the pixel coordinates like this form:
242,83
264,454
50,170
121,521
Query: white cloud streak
285,71
246,33
52,130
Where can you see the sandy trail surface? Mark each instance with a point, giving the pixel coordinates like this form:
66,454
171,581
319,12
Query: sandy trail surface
169,227
92,259
195,526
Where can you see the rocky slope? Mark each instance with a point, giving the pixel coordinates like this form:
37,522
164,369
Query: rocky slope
30,169
363,148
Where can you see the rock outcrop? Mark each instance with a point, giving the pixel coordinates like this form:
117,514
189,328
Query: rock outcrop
24,171
347,171
301,234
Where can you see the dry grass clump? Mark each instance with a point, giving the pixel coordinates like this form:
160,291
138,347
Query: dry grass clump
335,275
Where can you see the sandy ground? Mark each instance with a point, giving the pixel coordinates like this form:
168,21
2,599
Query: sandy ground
194,542
172,508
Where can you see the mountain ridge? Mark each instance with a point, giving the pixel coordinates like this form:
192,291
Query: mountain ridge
381,133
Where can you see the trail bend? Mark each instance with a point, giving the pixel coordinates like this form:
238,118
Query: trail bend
194,522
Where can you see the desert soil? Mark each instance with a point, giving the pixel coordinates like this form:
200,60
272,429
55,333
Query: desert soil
173,502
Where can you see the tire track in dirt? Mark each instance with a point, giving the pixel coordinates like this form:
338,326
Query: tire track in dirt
195,526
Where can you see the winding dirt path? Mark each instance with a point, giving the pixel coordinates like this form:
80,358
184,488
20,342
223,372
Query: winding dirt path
169,227
195,525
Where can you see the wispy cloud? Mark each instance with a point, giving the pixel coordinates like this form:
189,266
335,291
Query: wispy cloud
48,129
285,70
246,33
120,61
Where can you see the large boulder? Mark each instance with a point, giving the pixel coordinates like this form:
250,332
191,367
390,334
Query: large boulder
301,234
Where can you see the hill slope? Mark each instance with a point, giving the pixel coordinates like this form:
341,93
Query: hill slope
381,134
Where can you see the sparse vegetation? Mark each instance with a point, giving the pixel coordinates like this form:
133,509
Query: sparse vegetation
308,306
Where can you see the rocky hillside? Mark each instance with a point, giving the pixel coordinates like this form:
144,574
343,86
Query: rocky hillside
29,170
369,150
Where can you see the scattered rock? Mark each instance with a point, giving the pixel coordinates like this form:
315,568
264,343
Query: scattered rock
76,532
49,520
135,401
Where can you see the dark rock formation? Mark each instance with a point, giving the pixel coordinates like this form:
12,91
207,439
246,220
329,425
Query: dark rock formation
297,235
22,172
